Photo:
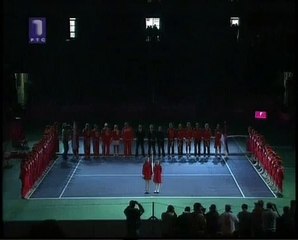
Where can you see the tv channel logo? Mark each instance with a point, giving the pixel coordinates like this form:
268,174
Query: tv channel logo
37,30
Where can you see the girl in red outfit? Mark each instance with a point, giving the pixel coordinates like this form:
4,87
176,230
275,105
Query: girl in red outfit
157,171
147,173
217,141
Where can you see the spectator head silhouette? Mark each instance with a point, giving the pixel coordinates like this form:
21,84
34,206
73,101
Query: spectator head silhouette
212,207
244,206
187,209
228,208
259,203
132,203
170,208
197,207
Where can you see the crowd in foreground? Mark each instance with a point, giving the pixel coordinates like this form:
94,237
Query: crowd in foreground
262,222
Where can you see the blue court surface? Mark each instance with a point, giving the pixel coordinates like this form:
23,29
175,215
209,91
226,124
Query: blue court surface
186,177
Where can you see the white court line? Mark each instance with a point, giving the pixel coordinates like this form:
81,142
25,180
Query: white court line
234,178
70,178
149,196
47,171
256,169
140,175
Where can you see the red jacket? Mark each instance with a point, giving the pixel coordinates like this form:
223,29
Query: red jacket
197,134
171,133
147,170
127,134
217,136
116,135
207,134
106,135
188,134
157,170
180,134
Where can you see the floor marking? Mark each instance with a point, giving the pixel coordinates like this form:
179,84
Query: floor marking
70,178
140,175
256,170
234,178
152,196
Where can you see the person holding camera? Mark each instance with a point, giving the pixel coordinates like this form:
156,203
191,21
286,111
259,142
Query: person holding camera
133,213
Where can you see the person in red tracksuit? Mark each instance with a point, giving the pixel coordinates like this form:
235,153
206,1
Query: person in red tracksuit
180,137
95,140
87,140
217,141
116,139
279,178
188,136
75,140
197,136
147,174
157,171
106,135
171,138
127,134
207,138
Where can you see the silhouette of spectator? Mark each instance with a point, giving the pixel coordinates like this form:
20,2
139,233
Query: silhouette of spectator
269,217
184,224
227,222
244,222
284,226
133,213
198,225
212,217
293,215
46,229
256,219
168,222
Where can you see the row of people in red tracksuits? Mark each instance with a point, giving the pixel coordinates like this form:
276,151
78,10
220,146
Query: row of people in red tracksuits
269,162
38,159
187,137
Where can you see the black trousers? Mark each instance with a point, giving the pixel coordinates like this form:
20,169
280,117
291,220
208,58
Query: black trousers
180,147
197,146
140,143
171,144
207,147
161,148
151,144
65,149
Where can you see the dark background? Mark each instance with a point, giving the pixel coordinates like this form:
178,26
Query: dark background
197,71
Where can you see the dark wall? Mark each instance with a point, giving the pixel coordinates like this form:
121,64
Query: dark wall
198,56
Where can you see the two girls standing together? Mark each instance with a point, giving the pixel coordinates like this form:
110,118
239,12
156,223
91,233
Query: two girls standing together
148,172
